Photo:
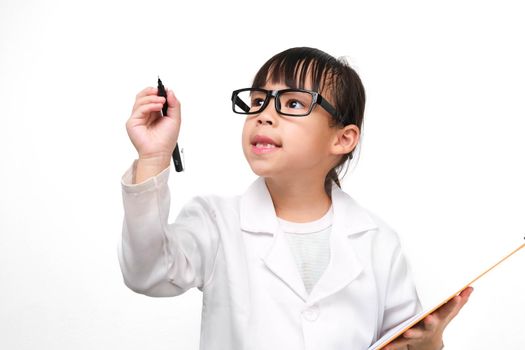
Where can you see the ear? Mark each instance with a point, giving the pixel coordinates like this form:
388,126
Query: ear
345,139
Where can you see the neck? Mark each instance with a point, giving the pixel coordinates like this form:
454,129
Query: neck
299,200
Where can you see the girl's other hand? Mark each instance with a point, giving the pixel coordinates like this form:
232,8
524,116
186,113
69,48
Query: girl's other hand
152,134
428,335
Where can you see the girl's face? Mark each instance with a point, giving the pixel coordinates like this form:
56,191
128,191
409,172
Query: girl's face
304,142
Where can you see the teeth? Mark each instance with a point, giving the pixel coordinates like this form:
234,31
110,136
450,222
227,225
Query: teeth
264,145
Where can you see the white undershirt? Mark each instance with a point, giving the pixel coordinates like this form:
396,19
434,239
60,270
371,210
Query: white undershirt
310,246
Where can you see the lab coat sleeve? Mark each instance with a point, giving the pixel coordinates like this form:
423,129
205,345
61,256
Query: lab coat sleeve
161,259
401,298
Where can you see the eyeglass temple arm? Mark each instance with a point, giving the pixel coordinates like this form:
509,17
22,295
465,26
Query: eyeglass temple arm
326,105
241,104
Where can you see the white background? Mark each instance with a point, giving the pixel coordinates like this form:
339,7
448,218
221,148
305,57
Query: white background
441,159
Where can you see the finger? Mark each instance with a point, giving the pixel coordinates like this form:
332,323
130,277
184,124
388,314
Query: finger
173,106
465,293
444,311
453,307
144,110
148,99
414,333
461,302
150,90
431,322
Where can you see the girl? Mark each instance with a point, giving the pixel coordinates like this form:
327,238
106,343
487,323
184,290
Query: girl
294,262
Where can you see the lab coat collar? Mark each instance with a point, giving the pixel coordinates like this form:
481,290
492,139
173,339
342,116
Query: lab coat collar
257,215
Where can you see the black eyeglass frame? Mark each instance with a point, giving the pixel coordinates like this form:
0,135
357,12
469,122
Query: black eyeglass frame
316,99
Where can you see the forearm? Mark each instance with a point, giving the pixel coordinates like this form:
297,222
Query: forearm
142,247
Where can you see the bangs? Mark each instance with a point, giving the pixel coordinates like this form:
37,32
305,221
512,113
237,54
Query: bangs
295,69
312,69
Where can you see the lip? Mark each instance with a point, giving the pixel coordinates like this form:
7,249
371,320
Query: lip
262,150
263,139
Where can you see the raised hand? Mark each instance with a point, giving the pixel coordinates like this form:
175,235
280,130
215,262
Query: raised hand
153,135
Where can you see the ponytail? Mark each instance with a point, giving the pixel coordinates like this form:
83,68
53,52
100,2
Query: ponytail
333,175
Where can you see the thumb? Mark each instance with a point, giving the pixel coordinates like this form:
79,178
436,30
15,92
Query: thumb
173,106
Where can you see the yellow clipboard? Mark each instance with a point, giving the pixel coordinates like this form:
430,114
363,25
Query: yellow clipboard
394,333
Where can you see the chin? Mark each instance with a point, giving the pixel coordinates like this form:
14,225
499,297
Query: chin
258,170
260,166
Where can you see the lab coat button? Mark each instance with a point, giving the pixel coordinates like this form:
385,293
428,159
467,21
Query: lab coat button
311,313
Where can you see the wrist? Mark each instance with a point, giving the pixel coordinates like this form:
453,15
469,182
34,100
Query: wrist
146,168
162,160
433,345
438,345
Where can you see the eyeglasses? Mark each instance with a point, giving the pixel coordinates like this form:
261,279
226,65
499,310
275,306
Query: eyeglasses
292,102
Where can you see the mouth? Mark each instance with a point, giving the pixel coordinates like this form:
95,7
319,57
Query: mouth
263,148
260,145
264,142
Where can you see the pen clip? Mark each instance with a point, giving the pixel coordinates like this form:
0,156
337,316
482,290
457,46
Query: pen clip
182,159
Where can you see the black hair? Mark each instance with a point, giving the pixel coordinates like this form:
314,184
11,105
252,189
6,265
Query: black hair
330,77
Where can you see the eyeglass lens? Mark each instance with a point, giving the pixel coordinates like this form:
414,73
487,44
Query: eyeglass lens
289,102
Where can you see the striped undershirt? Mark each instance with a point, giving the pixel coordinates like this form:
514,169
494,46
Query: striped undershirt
310,246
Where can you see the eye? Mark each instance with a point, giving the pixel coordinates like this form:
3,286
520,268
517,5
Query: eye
294,104
257,102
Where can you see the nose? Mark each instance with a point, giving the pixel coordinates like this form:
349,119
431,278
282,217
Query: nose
262,119
269,114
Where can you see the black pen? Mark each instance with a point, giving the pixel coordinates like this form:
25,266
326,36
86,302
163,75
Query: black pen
176,155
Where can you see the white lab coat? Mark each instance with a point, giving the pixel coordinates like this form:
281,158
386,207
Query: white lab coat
233,250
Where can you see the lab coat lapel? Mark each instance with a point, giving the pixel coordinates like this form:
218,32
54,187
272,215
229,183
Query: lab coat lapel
345,266
257,215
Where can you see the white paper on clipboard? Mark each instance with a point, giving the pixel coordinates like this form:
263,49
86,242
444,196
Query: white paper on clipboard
400,329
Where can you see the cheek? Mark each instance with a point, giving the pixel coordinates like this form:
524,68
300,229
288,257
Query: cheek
302,139
299,142
245,134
